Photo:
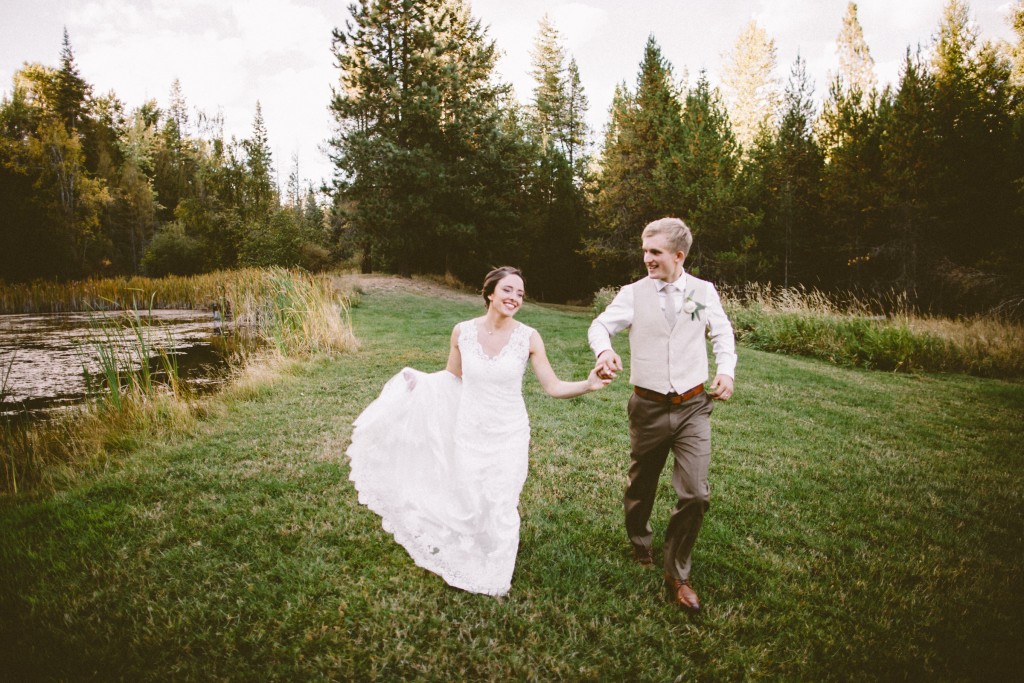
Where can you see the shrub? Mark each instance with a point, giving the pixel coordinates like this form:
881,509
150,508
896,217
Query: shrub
602,298
172,252
314,258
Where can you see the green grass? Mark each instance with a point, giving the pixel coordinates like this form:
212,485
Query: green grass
864,525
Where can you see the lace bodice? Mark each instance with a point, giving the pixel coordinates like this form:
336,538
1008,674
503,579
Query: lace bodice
501,374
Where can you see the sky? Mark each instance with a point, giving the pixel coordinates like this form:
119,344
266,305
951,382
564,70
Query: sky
229,54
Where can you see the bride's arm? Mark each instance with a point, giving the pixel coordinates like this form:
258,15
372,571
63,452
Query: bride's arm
549,380
454,355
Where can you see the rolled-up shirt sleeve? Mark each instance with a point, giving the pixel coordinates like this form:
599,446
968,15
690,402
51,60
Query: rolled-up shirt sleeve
617,317
723,342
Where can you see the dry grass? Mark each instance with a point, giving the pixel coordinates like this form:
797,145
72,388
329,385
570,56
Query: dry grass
1001,342
883,332
769,298
297,313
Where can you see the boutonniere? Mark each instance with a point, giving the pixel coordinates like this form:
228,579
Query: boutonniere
692,307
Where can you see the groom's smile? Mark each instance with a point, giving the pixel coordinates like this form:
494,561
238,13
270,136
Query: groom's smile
662,263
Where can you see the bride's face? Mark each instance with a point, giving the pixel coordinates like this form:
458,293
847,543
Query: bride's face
507,298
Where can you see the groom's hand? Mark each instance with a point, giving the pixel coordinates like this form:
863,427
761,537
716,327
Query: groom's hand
721,388
608,364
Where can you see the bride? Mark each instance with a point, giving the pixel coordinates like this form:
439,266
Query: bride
442,457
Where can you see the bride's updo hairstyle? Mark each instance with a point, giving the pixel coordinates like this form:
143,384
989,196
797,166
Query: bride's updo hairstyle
492,279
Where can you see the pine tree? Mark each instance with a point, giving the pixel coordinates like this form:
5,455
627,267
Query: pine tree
260,185
1017,51
750,85
71,91
910,167
549,105
1013,298
708,159
293,190
176,158
640,172
53,202
557,214
856,66
125,144
972,107
420,138
783,179
577,130
479,204
210,212
75,199
29,244
269,236
849,135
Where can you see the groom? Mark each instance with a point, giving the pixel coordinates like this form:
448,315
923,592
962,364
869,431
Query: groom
667,314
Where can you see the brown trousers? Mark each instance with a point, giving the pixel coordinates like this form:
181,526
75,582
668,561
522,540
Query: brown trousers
654,430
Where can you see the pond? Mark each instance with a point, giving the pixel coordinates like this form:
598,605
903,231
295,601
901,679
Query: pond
43,357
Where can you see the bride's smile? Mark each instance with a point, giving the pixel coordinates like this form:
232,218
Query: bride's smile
508,295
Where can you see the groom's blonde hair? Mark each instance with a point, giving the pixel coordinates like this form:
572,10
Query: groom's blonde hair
679,236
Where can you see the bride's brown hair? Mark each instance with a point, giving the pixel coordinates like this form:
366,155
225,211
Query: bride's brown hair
492,279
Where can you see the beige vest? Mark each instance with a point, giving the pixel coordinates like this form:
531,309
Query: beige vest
661,359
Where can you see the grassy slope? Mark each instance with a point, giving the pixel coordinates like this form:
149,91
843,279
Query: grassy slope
863,525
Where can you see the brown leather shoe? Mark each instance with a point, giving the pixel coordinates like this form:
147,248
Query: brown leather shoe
643,556
681,593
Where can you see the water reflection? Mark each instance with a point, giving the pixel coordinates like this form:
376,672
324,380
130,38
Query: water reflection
43,355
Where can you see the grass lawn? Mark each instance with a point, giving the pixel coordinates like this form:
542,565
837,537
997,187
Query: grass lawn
864,526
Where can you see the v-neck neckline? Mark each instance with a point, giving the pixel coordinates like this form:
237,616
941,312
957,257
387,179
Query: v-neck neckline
480,346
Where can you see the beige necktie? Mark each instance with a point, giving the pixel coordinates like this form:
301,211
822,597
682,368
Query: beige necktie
670,305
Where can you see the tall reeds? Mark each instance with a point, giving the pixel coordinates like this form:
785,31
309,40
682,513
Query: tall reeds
123,347
122,293
134,380
296,313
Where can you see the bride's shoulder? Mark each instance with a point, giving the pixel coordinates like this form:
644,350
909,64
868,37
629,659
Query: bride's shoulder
526,331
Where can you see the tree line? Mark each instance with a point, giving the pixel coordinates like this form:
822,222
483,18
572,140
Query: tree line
915,188
91,188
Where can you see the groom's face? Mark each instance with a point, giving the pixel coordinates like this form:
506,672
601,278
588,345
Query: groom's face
662,263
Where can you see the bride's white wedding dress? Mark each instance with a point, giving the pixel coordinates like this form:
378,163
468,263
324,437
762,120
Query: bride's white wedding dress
443,462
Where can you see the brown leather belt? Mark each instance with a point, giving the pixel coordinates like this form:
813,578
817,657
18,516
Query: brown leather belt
668,398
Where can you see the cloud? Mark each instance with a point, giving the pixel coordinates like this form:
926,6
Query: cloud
578,23
226,55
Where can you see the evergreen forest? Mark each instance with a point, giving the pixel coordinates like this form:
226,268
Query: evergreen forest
912,191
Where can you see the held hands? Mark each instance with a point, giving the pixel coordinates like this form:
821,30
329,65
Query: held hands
608,365
596,382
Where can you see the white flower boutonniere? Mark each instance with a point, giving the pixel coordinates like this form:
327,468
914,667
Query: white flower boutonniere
692,307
